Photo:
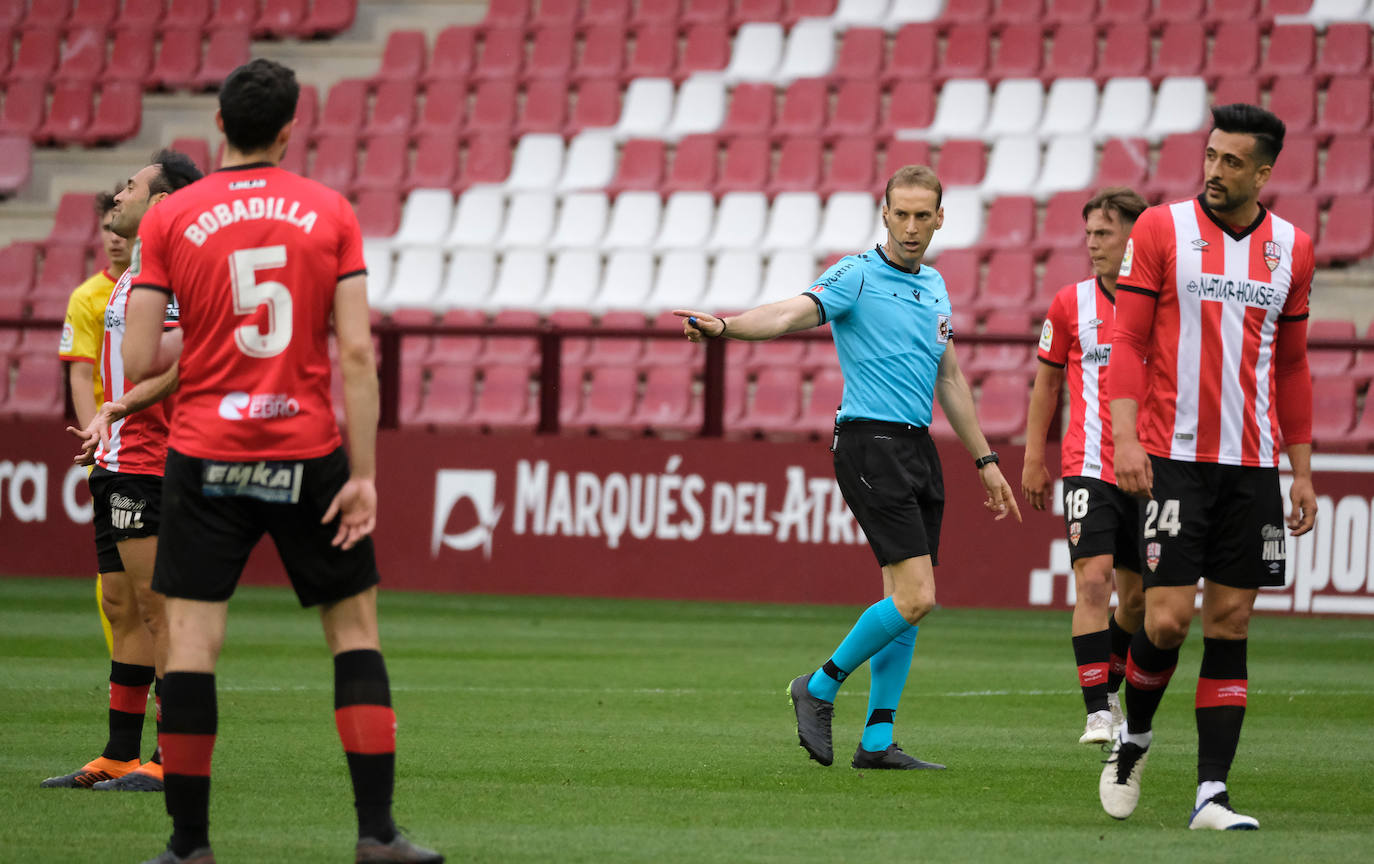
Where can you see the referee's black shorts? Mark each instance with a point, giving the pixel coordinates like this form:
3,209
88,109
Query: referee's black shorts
211,523
889,474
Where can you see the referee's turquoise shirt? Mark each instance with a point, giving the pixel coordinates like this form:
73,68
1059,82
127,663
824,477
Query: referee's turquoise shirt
891,327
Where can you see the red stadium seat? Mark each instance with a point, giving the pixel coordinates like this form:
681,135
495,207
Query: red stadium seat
503,53
131,57
235,15
37,392
68,115
610,400
384,163
967,12
654,54
899,153
16,165
756,11
597,106
64,265
799,166
328,18
617,351
967,47
225,51
1361,437
1349,166
1223,11
25,104
1302,210
855,110
707,50
776,406
1362,371
197,149
100,14
1245,88
393,108
74,223
798,9
442,114
1074,52
307,110
1002,406
574,350
598,12
668,407
279,19
507,13
914,51
1126,52
83,57
487,161
640,167
512,349
1292,51
962,163
1010,223
1235,50
1345,50
860,54
1178,174
186,14
1174,11
962,273
1063,267
454,51
545,107
1063,225
18,267
379,210
1182,50
1294,99
1062,12
458,350
557,13
656,13
1347,106
750,112
777,353
803,108
493,109
850,167
705,12
603,52
1009,282
1330,361
336,162
746,166
552,54
676,351
694,166
827,390
50,16
1333,408
1114,11
37,56
118,116
436,162
1020,50
910,105
1349,231
403,58
178,60
345,109
1296,169
450,398
1018,12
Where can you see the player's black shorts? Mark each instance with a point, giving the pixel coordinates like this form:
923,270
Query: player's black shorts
217,511
889,474
123,507
1100,519
1221,522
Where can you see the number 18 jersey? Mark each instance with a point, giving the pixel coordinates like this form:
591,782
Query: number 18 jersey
253,254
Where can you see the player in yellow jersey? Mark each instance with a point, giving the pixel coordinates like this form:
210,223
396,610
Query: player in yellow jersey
131,645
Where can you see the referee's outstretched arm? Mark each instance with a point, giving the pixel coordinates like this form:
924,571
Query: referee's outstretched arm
952,389
762,322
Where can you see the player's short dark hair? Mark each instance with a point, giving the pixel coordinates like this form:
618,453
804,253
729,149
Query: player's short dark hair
1264,126
1124,201
176,171
915,175
256,101
104,201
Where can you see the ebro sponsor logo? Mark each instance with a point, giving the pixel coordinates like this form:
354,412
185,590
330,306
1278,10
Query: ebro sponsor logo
258,406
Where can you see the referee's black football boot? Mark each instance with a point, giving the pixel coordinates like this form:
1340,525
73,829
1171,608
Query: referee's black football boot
893,758
813,720
203,855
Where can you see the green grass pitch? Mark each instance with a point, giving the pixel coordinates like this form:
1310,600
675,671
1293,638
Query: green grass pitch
549,729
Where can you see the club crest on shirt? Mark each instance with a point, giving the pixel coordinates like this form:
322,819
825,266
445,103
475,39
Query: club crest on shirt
1075,532
944,332
1273,253
1152,550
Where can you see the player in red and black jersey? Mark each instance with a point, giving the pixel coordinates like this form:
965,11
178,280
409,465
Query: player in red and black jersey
265,264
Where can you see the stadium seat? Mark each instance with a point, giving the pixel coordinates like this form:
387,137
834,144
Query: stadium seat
850,166
967,48
1345,50
705,12
575,279
1020,49
590,162
687,220
1235,50
379,212
861,54
502,54
1349,231
336,162
18,268
654,53
520,281
1063,267
680,281
279,19
603,52
1294,98
634,220
377,255
225,51
508,13
913,55
573,350
746,165
131,57
1010,223
1178,173
803,109
1347,105
1069,164
493,109
1296,169
477,221
962,163
898,154
118,116
37,56
809,52
384,163
674,351
345,109
707,50
1002,406
74,223
1111,11
750,112
82,60
613,350
900,12
68,115
1006,291
530,220
504,403
609,403
393,109
37,391
1125,52
1241,88
449,399
581,221
545,107
847,224
1292,52
185,14
1172,11
537,164
234,15
640,167
775,353
647,108
961,271
598,106
1124,162
1017,105
827,391
101,13
1124,109
1348,168
597,12
776,406
627,279
1181,105
1062,227
700,107
799,166
963,221
403,58
668,407
1330,362
1070,107
694,165
64,266
415,283
1182,50
757,53
16,166
1018,12
787,274
750,11
1303,210
328,18
652,13
435,164
455,49
1073,54
551,56
468,280
855,110
962,110
739,222
1333,407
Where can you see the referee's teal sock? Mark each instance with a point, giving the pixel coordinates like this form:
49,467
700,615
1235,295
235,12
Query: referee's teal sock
879,625
888,669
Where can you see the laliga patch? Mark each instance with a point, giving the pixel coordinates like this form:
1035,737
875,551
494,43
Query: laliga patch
1075,532
945,330
1127,259
1273,254
136,259
1152,550
271,482
68,338
1047,336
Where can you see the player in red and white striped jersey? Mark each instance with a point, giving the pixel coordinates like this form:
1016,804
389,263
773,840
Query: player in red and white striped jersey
1099,519
1210,378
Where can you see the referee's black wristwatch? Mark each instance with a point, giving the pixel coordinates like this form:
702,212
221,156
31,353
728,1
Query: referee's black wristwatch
990,459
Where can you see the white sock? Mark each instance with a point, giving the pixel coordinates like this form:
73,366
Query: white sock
1208,790
1139,739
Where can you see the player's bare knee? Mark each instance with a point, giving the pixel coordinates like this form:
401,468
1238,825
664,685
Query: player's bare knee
1167,631
914,604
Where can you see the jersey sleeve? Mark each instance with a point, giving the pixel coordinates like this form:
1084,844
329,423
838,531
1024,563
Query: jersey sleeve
1054,335
1300,289
83,330
837,290
148,266
1146,260
351,261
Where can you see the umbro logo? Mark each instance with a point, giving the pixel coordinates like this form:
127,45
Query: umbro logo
1096,322
1199,243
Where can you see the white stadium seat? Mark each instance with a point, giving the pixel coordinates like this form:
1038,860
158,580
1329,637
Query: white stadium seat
739,221
581,221
1070,108
912,11
756,53
575,280
425,219
1180,106
687,221
860,13
648,105
1124,108
810,51
681,281
377,256
1016,108
735,281
793,221
626,283
634,221
531,220
520,282
1070,163
961,112
963,221
700,108
419,272
847,225
1324,12
478,219
537,163
468,280
590,163
788,274
1013,167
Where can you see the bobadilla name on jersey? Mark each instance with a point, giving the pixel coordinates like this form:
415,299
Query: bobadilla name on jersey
244,209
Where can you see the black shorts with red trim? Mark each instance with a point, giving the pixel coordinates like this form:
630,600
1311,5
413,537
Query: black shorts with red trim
217,511
1219,522
123,507
1100,519
889,474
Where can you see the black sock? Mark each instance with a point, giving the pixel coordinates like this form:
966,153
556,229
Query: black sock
1091,652
128,704
190,722
1222,686
367,728
1148,670
1121,645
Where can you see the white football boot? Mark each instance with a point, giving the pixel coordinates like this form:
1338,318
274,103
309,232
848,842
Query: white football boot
1216,813
1099,728
1119,786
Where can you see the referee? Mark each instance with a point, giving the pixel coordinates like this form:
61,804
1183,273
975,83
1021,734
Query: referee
890,317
